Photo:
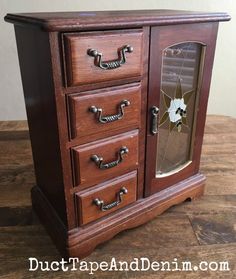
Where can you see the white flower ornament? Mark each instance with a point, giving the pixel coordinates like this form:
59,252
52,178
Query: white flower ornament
175,114
176,108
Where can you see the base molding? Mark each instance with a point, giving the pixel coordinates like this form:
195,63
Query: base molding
80,242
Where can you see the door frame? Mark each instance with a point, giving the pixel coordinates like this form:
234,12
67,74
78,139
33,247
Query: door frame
161,38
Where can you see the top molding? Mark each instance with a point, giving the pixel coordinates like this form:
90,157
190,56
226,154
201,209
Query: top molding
71,21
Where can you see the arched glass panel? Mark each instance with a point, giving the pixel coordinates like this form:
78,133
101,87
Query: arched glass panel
179,87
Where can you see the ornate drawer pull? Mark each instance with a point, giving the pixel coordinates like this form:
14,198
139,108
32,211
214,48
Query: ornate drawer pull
103,207
99,160
154,126
113,64
110,118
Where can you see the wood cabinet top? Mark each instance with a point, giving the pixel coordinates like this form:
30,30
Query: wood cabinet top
69,21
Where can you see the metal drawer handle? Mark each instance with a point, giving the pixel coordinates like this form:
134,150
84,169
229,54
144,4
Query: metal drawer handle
103,166
154,126
119,195
113,64
110,118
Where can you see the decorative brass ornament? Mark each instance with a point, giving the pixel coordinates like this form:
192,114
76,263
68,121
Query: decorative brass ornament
110,118
113,64
119,198
98,160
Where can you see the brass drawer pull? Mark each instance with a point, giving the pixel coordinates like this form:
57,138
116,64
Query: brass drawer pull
99,160
103,207
110,118
113,64
154,125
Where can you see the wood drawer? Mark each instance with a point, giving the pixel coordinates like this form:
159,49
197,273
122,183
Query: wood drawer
85,110
115,194
82,68
87,171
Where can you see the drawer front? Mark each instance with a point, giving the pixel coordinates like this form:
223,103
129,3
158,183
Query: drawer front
84,68
106,198
105,111
105,159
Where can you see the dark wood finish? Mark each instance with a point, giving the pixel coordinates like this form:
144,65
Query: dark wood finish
162,37
68,21
221,229
103,84
144,99
108,149
82,241
107,192
61,110
44,209
59,80
34,49
199,226
84,123
80,66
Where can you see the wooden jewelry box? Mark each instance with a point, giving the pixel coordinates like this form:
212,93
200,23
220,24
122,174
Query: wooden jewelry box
116,104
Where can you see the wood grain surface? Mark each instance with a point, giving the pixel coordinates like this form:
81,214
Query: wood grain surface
163,37
108,149
200,230
107,192
81,68
69,21
85,124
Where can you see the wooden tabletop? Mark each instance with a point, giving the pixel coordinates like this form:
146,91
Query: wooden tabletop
202,230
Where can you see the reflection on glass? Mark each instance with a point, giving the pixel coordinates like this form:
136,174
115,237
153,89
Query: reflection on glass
179,79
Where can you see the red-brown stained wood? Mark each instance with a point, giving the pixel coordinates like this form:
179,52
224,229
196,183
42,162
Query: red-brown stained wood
67,21
106,192
85,123
143,112
87,173
80,67
83,240
162,37
34,49
61,111
63,166
211,216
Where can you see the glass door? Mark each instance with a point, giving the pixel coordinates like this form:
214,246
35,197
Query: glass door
179,80
179,90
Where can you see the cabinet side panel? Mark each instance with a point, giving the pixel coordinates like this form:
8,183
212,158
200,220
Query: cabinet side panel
36,72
